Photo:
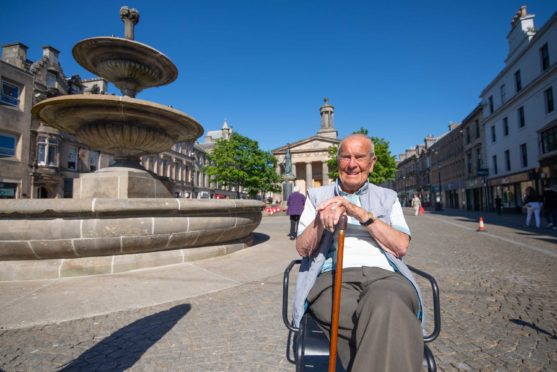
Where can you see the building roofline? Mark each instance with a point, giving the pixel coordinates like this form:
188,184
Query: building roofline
505,69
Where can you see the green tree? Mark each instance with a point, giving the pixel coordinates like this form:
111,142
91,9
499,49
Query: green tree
385,167
239,162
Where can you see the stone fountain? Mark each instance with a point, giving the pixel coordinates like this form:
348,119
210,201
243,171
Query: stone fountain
121,218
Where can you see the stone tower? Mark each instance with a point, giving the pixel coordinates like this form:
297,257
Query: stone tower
327,113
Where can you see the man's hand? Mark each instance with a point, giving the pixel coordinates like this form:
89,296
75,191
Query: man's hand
331,210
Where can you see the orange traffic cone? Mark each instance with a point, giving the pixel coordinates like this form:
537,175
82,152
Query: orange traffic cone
482,227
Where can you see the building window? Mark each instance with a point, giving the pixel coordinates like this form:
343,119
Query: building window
47,152
477,128
72,158
490,100
8,190
8,143
164,172
549,140
548,95
93,161
495,171
467,135
505,126
524,155
544,56
469,163
10,93
521,117
50,80
478,158
503,93
508,160
493,136
517,81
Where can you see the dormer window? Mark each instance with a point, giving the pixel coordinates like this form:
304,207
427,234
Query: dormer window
517,81
50,80
544,56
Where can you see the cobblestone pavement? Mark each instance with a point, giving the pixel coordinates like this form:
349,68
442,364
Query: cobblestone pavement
498,299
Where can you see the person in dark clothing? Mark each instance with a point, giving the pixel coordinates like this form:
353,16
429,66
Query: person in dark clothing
498,204
550,206
295,205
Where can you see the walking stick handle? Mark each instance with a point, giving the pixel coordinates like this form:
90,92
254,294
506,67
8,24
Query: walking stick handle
342,222
341,226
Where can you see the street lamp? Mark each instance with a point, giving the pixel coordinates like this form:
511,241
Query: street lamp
404,193
438,204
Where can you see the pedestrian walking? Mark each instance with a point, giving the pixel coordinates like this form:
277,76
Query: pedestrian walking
533,204
295,205
416,204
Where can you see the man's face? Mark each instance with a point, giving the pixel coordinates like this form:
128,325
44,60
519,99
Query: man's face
355,163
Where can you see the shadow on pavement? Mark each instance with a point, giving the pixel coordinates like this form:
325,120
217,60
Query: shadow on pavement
122,349
259,238
554,241
521,322
512,220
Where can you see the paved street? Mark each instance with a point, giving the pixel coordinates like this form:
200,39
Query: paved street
499,307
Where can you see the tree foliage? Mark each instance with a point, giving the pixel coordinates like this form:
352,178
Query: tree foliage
239,162
385,167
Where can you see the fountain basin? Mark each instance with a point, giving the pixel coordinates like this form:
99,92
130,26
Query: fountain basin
128,64
51,238
118,125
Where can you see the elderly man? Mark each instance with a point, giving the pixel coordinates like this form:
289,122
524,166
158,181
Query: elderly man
379,327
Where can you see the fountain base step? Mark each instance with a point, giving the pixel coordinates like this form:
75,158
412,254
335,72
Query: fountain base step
106,265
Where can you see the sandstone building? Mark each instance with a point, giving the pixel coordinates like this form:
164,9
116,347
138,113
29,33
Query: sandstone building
309,155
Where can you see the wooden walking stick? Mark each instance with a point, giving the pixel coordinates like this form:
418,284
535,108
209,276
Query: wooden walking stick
342,222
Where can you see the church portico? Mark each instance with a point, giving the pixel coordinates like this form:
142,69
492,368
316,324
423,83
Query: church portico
304,163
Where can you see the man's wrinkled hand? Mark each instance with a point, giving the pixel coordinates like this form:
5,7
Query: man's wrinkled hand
330,212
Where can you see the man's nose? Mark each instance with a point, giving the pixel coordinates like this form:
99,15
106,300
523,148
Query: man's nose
353,162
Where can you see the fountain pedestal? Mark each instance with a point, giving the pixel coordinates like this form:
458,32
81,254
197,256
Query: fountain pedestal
119,183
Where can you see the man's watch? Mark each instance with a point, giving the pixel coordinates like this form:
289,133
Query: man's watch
371,219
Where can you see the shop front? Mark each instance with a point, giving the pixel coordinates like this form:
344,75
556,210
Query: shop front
510,190
475,194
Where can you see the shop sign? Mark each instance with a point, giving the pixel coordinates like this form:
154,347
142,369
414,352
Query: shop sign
482,172
515,178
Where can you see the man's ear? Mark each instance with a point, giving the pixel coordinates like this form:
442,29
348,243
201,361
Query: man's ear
372,163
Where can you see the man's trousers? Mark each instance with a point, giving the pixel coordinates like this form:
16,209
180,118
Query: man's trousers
378,327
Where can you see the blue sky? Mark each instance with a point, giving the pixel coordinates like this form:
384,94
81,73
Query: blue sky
401,69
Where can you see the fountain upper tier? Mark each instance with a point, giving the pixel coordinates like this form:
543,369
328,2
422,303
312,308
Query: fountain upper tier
130,65
118,125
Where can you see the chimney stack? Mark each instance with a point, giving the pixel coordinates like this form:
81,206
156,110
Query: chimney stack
15,54
522,31
52,54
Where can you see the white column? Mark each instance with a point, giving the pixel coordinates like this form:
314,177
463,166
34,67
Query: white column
325,173
309,176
